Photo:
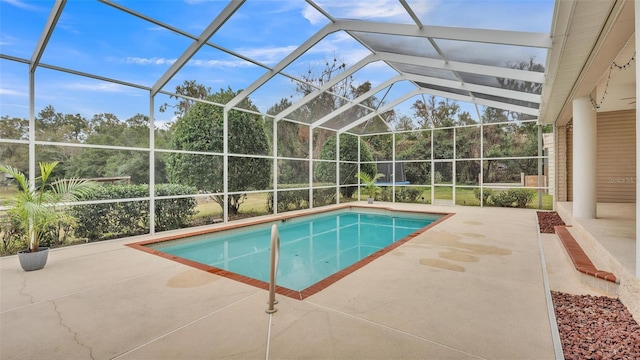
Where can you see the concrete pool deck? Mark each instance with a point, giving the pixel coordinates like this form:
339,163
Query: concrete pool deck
470,287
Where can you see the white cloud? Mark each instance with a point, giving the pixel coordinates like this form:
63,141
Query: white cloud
390,10
196,2
423,8
374,9
343,46
6,40
99,87
149,61
192,62
21,4
219,63
267,55
11,92
314,17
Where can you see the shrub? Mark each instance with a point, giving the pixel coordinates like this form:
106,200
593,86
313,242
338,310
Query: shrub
299,199
323,197
522,197
289,200
437,177
503,199
12,236
512,198
408,195
385,193
174,213
127,218
486,195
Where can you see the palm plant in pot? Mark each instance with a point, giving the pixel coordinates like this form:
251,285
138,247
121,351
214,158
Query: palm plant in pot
370,186
34,208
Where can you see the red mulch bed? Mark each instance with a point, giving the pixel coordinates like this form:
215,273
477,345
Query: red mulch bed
595,327
547,220
591,327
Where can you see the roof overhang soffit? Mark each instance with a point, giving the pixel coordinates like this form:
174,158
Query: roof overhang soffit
587,37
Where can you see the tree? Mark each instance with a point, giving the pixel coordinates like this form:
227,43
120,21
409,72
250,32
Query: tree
335,97
404,123
326,172
201,129
188,88
432,114
107,129
517,138
58,127
10,153
293,141
523,86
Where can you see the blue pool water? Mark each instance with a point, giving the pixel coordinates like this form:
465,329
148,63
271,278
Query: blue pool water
311,247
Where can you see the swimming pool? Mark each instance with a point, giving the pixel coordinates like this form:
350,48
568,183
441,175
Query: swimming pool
314,249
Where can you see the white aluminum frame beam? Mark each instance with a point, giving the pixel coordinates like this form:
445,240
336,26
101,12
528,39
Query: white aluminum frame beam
501,72
320,10
504,37
308,44
224,15
56,11
517,95
74,72
180,32
485,102
512,94
490,103
411,13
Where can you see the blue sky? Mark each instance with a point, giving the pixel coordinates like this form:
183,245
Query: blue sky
96,38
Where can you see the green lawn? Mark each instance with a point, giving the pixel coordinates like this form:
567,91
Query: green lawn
466,197
6,192
255,204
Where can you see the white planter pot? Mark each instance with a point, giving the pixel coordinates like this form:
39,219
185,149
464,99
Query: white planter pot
370,200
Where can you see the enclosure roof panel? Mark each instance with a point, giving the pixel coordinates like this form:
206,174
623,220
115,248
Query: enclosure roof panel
326,63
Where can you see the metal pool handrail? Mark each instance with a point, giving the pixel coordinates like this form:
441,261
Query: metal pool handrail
273,267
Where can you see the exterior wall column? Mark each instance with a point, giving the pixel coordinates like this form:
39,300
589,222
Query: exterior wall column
637,20
584,159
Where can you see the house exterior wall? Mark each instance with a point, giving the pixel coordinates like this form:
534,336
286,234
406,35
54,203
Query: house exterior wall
561,163
615,159
548,140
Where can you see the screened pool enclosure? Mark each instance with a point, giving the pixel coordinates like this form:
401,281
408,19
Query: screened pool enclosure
222,110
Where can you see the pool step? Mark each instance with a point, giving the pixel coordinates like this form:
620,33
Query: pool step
590,275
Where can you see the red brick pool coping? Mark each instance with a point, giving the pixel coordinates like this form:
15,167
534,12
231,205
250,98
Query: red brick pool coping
580,259
294,294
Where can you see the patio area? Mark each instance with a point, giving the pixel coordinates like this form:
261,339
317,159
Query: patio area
470,287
